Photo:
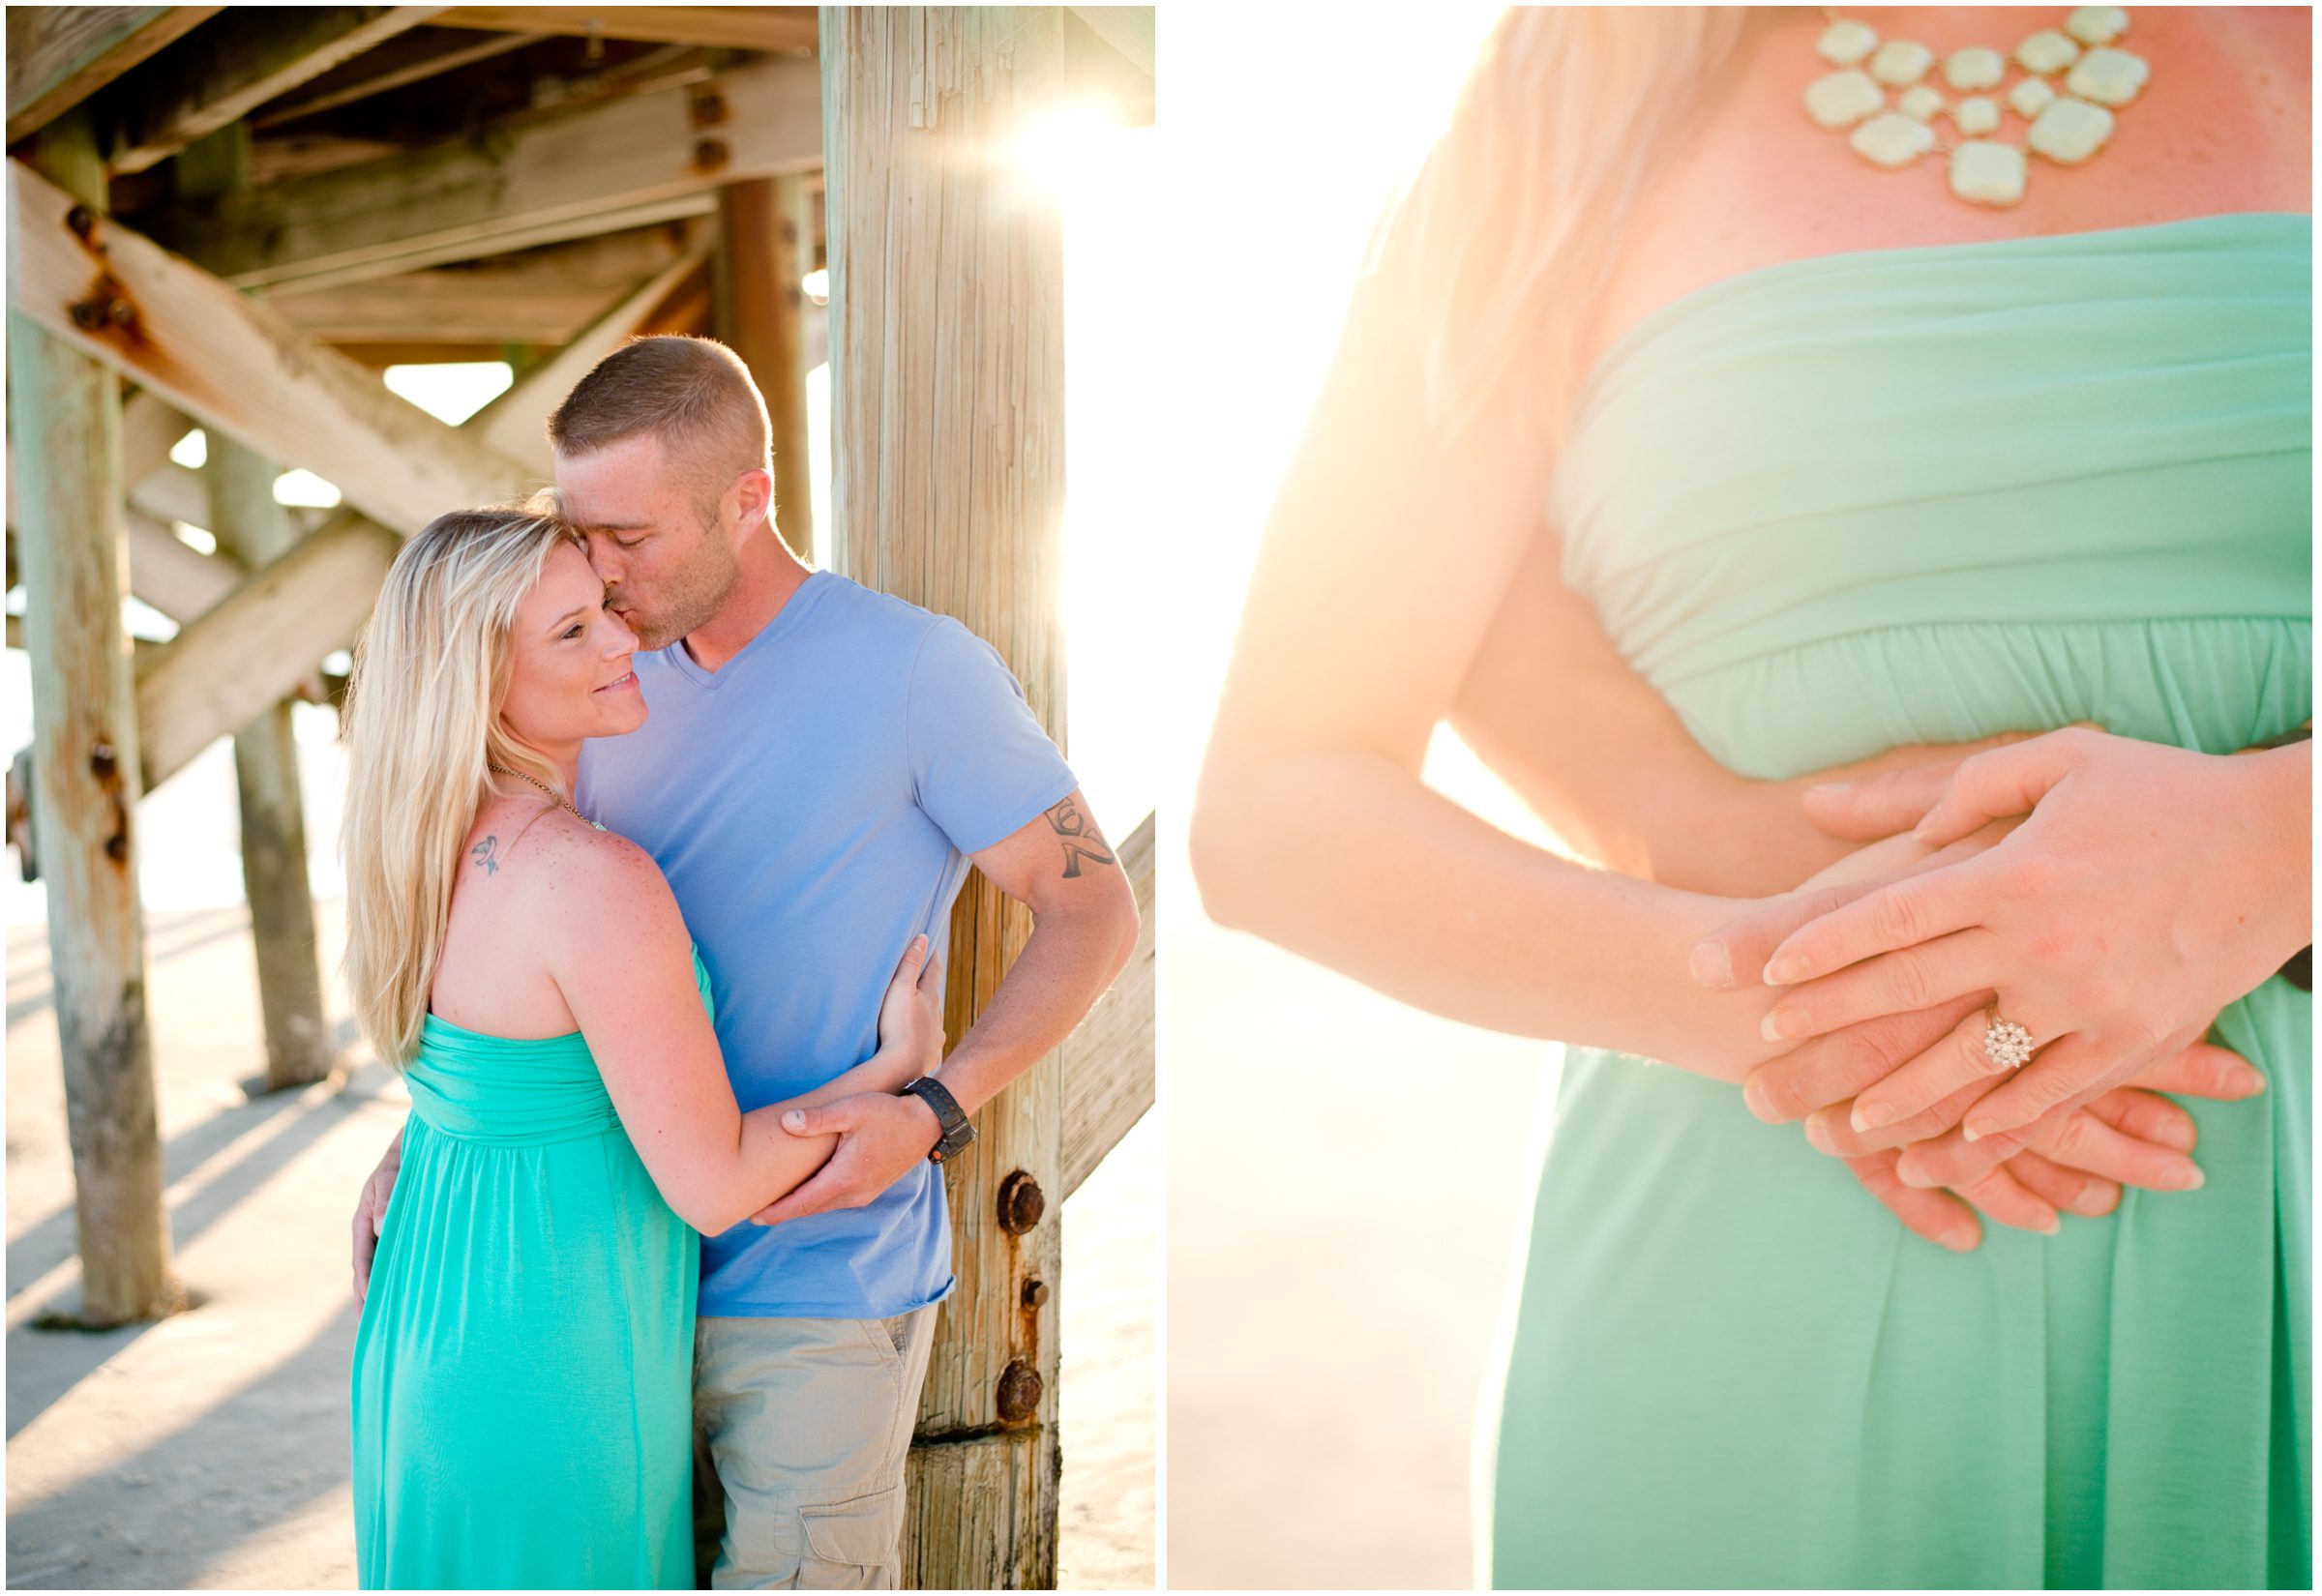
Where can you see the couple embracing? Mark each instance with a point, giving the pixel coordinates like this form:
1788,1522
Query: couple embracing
652,838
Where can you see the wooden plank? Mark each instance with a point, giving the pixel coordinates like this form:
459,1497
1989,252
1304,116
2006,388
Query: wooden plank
240,62
164,572
65,421
572,173
1109,1058
958,1493
236,366
231,663
537,296
1128,29
760,317
59,55
171,575
408,58
947,331
150,428
172,492
787,29
246,519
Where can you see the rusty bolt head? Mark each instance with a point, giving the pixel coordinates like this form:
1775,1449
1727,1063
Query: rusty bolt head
1018,1392
709,109
116,846
1021,1203
1035,1293
710,154
88,315
120,312
104,760
81,221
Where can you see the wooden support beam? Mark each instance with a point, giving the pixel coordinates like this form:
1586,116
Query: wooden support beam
150,428
411,57
59,55
245,519
570,173
782,29
536,296
1108,1059
246,58
1128,29
164,572
225,668
171,575
65,420
235,366
947,360
762,243
172,492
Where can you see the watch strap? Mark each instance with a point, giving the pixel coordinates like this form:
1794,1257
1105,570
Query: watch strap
957,1132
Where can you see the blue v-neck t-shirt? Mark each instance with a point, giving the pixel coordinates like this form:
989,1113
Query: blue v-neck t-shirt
812,803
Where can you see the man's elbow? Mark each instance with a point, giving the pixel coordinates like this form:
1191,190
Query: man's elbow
1127,925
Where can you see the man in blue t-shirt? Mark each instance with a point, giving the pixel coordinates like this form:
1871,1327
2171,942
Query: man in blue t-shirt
819,765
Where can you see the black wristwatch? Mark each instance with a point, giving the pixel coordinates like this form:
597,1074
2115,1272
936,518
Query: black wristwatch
957,1132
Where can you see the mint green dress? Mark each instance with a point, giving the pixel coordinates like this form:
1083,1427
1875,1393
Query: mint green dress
523,1372
1915,496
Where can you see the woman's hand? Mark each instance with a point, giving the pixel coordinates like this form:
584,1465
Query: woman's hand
910,1019
2149,887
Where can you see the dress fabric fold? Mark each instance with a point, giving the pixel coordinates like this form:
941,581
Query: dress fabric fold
1908,496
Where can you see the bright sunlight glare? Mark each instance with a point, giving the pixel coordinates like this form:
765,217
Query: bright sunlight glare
1060,153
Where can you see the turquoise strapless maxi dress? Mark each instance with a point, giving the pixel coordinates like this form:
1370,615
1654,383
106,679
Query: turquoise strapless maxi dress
1920,495
523,1369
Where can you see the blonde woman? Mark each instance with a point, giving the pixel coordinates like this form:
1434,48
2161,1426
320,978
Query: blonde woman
523,1379
1828,461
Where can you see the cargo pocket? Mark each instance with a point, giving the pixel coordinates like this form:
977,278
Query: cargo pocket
854,1544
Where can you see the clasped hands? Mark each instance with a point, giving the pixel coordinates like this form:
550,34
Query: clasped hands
2111,894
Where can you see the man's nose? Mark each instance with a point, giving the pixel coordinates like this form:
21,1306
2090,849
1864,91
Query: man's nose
601,561
618,639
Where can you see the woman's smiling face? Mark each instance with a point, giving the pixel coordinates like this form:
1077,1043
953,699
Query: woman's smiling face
567,661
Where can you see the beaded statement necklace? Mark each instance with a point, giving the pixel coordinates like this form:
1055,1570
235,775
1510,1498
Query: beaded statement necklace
2065,124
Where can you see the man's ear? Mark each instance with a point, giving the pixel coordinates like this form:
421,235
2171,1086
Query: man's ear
753,499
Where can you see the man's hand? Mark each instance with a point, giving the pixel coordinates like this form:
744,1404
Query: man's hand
371,1213
881,1138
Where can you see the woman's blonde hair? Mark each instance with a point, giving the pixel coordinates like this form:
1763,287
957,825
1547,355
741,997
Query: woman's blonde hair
1501,247
422,725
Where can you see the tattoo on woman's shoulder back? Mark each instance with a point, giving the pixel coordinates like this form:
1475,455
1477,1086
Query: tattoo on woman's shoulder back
484,854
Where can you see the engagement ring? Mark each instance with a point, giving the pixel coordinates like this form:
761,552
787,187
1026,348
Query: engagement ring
2004,1043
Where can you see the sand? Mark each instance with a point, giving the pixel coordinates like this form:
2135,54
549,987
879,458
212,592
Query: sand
1350,1183
209,1450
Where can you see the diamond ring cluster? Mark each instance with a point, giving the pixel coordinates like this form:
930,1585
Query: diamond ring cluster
2005,1043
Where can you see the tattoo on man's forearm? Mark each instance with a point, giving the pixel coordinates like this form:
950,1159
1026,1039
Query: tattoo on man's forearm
1081,838
484,852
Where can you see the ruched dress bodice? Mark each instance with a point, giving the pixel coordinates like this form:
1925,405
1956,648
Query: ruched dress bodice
1912,496
523,1379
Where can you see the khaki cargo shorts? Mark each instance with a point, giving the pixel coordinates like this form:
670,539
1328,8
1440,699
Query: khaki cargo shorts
800,1431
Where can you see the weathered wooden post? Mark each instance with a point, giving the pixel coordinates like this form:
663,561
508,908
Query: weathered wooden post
253,528
947,422
246,519
765,246
65,422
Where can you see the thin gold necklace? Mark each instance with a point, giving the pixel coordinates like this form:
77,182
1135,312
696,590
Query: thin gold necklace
545,787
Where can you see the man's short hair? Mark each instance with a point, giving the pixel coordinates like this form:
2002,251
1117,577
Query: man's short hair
692,392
